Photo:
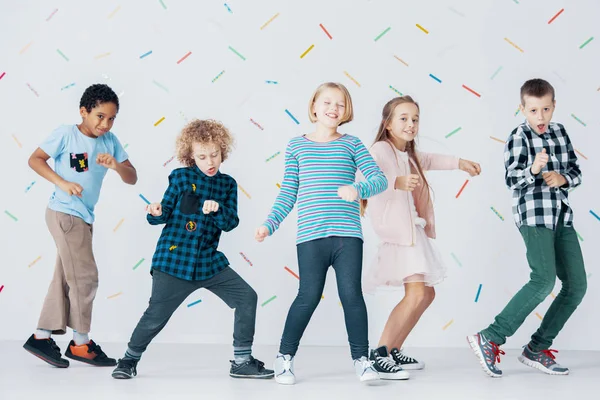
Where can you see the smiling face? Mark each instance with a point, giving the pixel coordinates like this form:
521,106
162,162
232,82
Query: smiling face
207,157
99,120
329,108
538,112
404,124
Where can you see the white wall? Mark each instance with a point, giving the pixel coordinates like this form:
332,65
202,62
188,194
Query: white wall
465,45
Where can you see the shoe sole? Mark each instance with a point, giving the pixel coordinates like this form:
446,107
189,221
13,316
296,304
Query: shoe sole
121,375
252,376
88,361
537,365
394,377
475,347
43,357
411,367
285,380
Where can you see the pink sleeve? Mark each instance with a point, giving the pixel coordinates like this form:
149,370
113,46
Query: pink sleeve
431,161
386,164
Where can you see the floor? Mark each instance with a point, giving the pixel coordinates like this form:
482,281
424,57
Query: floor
177,371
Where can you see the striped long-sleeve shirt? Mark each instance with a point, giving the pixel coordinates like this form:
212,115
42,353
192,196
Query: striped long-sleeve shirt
313,174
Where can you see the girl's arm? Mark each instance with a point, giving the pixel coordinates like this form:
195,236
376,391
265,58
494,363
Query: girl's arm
431,162
284,203
169,201
376,182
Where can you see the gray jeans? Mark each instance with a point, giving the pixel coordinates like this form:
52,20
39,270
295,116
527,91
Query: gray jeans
168,292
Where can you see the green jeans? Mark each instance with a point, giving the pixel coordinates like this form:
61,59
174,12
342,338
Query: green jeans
550,254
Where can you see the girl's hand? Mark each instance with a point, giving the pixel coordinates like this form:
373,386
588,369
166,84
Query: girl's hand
261,233
407,182
348,193
470,167
155,209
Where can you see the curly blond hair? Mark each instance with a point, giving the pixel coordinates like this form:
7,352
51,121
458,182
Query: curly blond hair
204,132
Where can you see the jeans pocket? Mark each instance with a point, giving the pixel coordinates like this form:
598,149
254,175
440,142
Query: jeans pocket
65,221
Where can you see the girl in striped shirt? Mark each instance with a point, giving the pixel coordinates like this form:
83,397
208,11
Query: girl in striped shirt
320,172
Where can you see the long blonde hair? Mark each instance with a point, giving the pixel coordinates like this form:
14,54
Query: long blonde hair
383,134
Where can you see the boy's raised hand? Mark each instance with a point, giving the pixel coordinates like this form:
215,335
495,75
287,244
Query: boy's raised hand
155,209
540,161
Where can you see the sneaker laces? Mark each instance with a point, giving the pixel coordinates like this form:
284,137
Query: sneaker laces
549,354
287,364
387,364
404,358
496,351
95,348
54,347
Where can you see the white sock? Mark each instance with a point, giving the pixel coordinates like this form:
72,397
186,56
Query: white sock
80,338
42,334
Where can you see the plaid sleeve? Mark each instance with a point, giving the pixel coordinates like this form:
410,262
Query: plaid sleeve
376,182
518,173
284,203
573,173
169,200
226,218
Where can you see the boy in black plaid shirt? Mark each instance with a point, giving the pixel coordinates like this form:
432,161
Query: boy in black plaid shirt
198,205
541,166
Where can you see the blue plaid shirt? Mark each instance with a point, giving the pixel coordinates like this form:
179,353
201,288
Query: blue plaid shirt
187,247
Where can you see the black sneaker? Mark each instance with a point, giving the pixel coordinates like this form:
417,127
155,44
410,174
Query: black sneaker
126,369
89,353
404,361
385,365
47,350
252,368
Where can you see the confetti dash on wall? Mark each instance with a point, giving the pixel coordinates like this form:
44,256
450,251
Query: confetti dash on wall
145,199
471,90
68,86
496,73
2,75
396,90
114,295
517,111
383,33
244,191
159,121
497,140
1,287
556,15
478,293
553,295
257,124
29,186
99,56
448,324
514,45
268,301
10,215
291,272
581,154
278,185
115,11
453,132
591,212
456,259
161,86
119,224
24,49
52,15
312,46
579,236
194,303
272,157
325,30
246,258
218,76
269,21
34,261
184,57
497,213
423,29
586,42
578,120
138,263
146,54
291,116
236,52
539,316
435,78
17,141
33,90
462,188
62,54
272,82
162,3
168,161
401,60
228,9
351,78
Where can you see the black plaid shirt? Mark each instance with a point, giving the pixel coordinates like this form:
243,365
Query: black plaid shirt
187,247
534,202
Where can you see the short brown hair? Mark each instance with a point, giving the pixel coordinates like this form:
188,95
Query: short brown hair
348,110
536,88
202,131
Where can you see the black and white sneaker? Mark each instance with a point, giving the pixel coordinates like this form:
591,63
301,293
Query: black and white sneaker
385,365
252,369
126,369
406,362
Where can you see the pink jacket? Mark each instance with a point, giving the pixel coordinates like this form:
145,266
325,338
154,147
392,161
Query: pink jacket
390,211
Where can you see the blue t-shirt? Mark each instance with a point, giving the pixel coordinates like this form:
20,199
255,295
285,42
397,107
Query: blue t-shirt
74,157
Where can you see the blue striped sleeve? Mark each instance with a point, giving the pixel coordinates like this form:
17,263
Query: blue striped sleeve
376,181
284,203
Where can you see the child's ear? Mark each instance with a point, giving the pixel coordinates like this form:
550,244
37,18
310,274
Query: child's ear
83,112
522,108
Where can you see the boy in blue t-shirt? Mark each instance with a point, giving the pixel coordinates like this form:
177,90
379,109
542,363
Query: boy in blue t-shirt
82,155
